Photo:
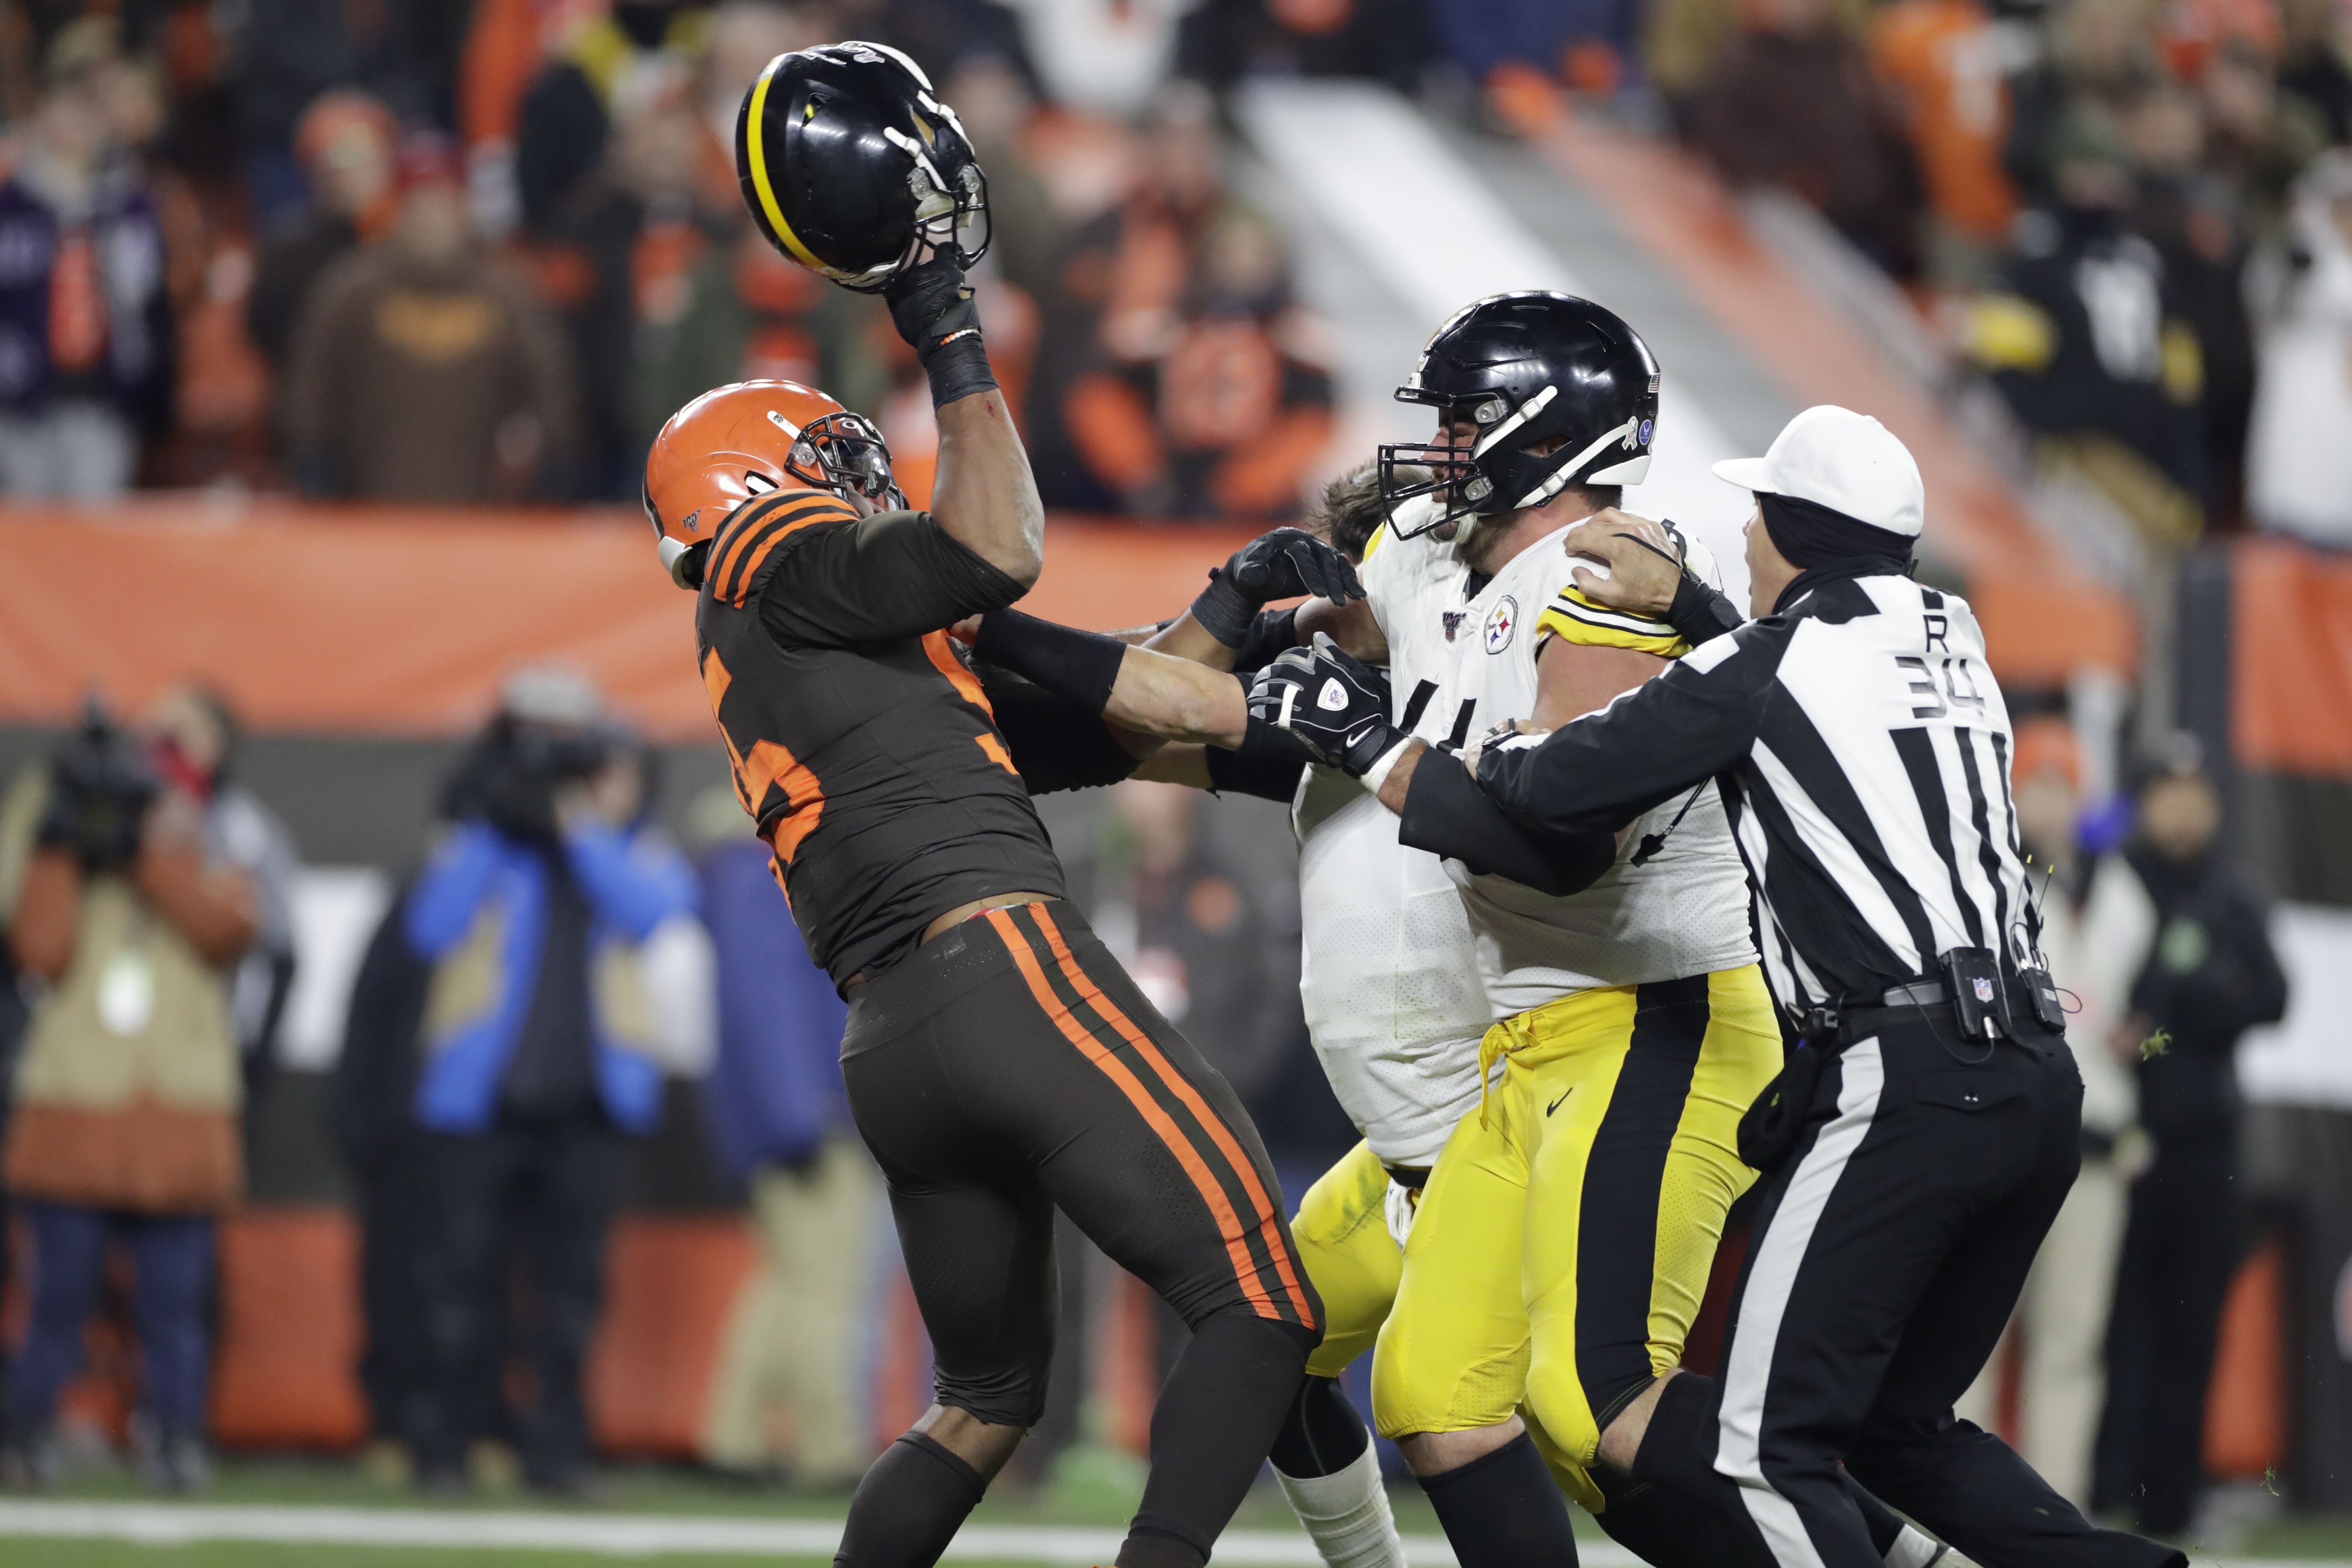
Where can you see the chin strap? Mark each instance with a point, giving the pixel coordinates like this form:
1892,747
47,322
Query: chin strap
683,562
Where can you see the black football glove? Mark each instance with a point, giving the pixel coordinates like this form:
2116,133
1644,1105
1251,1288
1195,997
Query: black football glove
932,307
1288,563
1337,704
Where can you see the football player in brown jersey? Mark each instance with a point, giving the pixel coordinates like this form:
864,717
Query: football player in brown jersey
1000,1064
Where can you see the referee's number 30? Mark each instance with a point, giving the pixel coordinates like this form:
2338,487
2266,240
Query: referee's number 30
1932,698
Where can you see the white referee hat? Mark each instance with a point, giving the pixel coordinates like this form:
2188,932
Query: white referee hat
1845,462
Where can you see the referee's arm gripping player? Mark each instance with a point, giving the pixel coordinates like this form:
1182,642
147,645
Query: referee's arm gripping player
998,1063
1919,1144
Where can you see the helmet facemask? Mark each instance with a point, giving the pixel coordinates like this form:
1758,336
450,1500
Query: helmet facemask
845,454
949,191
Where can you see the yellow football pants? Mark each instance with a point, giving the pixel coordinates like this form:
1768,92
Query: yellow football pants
1342,1234
1564,1237
1344,1240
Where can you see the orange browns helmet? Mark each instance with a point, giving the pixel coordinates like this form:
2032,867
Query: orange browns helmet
753,438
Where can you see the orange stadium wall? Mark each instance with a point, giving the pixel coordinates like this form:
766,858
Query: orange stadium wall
399,620
402,620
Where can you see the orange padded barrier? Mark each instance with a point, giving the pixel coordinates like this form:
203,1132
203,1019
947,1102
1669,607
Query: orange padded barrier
670,1281
285,1364
402,620
2043,619
285,1367
2246,1409
2291,658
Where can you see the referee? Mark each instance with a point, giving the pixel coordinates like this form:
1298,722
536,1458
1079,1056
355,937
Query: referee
1918,1145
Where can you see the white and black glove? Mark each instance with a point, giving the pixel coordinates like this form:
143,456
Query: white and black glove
1287,563
1335,703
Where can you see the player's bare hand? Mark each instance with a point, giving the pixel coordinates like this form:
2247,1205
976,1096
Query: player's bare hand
1499,732
1645,564
966,631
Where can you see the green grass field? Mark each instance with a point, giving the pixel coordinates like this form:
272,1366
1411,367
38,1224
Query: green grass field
1094,1497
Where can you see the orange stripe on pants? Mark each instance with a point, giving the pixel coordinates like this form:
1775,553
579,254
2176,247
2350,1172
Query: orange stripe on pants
1229,1223
1277,1245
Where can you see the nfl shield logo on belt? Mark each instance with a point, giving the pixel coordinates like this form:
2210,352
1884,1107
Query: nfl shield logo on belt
1984,989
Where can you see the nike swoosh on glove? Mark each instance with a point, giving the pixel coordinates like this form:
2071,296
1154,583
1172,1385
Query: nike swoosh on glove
1286,563
1335,703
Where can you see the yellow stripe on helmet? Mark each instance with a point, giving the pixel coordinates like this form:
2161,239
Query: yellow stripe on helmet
755,152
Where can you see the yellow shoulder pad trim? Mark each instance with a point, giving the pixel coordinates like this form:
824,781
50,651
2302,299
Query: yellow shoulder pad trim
1374,542
1574,618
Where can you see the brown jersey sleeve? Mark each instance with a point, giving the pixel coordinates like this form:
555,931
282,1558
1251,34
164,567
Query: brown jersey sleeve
894,575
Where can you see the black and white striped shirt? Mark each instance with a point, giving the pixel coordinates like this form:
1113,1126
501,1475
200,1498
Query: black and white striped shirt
1863,750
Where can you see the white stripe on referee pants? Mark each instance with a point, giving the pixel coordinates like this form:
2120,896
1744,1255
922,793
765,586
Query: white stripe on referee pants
1780,1252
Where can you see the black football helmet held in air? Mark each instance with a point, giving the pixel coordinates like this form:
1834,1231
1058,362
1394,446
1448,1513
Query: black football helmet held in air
854,168
1527,370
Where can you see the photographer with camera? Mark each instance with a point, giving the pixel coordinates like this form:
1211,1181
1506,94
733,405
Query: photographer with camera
540,1054
129,909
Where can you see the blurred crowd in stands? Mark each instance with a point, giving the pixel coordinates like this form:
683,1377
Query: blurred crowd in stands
2131,215
478,249
435,252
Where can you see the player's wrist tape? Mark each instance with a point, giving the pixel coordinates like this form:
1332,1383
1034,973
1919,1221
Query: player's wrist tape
1378,773
1080,667
1224,612
958,366
934,309
1699,611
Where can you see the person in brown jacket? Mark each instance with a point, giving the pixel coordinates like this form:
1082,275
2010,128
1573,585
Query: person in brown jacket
423,372
125,1123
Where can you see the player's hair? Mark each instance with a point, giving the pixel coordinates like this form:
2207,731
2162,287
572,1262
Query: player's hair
1349,511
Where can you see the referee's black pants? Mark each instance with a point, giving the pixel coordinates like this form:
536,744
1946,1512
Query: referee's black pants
1888,1252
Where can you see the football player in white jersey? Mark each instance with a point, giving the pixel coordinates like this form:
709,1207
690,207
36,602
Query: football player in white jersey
1565,1239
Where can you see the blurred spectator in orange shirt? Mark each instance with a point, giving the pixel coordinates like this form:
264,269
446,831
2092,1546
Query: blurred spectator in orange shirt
422,370
1949,63
1135,256
1213,407
1792,103
345,141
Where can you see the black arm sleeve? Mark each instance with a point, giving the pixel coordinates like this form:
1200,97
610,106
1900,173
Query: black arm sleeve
1056,744
894,575
1078,667
1272,633
1699,611
1599,773
1447,813
1267,763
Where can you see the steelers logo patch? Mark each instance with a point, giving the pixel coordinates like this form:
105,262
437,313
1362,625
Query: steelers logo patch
1502,622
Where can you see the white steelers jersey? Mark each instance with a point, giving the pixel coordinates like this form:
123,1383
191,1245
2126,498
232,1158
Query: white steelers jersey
1460,663
1387,972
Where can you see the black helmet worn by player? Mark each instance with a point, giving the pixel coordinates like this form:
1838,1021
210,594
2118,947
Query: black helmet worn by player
852,166
1526,370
